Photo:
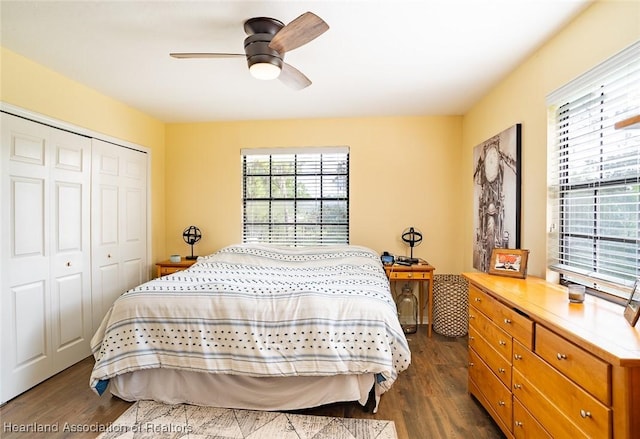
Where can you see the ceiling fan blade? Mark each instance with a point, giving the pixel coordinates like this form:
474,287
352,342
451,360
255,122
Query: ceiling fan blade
300,31
207,55
293,78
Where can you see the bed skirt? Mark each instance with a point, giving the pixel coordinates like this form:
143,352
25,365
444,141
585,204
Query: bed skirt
173,386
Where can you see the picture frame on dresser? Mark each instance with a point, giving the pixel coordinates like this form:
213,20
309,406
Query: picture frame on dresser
509,262
632,307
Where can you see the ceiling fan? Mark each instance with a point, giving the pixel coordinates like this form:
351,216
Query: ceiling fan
267,42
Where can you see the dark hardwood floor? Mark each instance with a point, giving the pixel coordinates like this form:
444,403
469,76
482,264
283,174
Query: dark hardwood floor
428,401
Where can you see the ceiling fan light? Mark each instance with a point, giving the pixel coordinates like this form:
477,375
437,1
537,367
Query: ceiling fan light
264,71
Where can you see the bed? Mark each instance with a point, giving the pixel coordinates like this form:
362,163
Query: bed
256,327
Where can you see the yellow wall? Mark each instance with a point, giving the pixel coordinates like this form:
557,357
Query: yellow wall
599,32
28,85
404,172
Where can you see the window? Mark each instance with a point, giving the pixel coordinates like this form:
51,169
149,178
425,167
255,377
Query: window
594,176
296,196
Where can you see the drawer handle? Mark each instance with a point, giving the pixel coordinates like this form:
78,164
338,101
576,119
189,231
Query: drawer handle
517,386
477,299
517,357
507,321
501,370
109,256
585,414
471,316
502,342
68,263
561,356
518,424
501,403
471,364
471,338
410,275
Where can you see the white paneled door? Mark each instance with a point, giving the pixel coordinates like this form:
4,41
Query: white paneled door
119,221
73,237
46,252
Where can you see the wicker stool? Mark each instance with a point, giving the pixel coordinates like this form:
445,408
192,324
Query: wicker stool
450,305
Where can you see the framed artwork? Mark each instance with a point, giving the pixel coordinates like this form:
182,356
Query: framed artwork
509,262
632,308
496,197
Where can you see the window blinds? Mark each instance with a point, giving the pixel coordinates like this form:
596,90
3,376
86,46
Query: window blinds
594,176
296,196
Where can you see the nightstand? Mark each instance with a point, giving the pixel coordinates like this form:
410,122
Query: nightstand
421,272
168,267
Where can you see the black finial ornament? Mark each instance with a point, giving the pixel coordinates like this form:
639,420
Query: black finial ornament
191,235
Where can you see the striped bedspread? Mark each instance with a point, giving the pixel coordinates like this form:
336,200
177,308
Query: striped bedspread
259,311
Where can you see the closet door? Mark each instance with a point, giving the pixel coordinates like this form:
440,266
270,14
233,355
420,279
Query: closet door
70,247
119,223
26,305
46,320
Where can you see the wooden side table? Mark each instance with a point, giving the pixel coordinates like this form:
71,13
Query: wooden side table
168,267
421,272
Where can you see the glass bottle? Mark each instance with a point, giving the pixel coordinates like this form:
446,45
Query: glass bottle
407,305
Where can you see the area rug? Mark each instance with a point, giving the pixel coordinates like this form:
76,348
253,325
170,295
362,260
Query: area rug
148,419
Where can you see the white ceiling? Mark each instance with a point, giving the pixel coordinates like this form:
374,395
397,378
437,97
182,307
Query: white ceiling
379,58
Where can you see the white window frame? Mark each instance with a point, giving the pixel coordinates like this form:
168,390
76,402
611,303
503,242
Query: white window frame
594,178
295,196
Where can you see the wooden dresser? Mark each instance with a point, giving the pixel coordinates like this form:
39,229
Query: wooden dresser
544,367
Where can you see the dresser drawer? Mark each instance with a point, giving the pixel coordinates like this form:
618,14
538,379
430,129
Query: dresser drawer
517,325
593,374
497,338
583,410
496,362
163,271
479,396
496,395
525,426
409,275
548,415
